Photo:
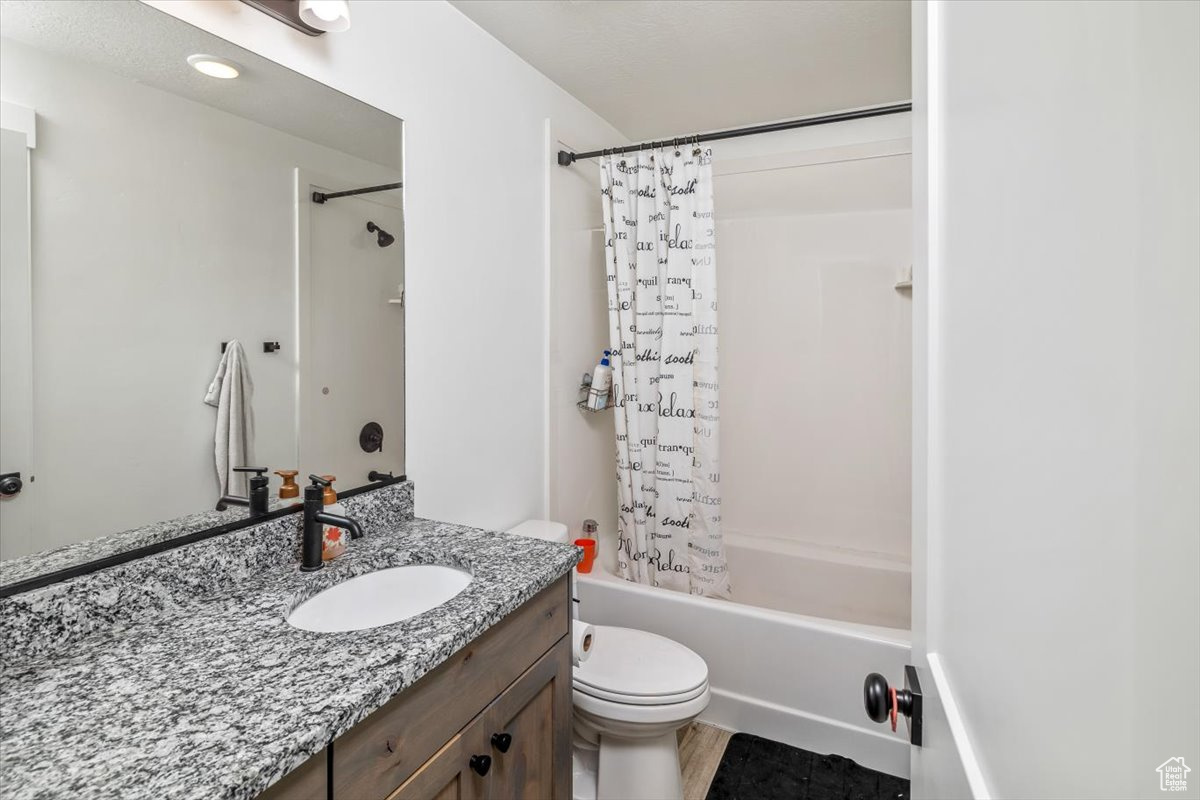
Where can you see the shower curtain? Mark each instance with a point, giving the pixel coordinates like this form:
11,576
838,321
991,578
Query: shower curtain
660,247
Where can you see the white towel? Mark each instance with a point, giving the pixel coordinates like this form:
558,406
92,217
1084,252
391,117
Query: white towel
232,392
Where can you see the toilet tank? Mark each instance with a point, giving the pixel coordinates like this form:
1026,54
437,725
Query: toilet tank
543,529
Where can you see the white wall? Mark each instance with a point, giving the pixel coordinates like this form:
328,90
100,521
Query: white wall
153,242
475,240
814,229
815,339
1064,388
582,480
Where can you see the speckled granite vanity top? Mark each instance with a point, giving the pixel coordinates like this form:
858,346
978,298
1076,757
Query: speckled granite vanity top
178,677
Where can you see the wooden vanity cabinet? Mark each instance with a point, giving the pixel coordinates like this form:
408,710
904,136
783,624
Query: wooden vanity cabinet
491,723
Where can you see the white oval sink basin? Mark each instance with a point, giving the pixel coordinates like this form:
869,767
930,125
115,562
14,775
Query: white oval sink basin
379,598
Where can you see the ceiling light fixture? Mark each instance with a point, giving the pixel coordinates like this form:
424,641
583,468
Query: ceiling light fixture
214,66
326,15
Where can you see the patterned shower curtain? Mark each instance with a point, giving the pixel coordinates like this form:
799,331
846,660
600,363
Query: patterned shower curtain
662,307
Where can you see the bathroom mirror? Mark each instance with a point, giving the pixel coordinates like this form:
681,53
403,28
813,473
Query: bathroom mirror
158,204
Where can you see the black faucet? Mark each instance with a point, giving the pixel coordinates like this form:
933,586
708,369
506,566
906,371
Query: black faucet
315,520
259,501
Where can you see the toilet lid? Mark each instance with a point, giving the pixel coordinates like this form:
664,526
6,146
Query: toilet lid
641,668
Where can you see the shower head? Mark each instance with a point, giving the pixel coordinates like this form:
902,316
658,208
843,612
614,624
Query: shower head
385,238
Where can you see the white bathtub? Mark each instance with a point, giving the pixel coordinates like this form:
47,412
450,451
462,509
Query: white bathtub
787,659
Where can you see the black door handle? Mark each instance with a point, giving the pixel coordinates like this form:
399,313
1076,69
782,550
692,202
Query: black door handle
883,701
875,697
502,741
481,764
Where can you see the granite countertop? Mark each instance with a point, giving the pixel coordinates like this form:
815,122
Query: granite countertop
215,695
70,555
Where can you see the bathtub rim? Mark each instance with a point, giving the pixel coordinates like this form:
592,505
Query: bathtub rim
858,630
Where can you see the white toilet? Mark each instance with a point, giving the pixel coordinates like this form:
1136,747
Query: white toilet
632,695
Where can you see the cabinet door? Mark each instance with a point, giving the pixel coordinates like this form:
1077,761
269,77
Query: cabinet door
532,718
453,773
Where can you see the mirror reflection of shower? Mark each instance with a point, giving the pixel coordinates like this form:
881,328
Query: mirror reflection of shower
385,238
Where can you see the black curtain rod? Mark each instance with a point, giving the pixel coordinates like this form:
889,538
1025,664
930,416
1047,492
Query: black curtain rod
321,197
566,158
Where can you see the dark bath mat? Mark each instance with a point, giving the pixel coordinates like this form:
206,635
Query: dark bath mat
754,768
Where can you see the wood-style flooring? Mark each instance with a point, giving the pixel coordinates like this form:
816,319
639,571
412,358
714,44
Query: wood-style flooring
700,749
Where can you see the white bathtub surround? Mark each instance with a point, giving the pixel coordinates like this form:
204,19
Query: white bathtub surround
662,297
844,585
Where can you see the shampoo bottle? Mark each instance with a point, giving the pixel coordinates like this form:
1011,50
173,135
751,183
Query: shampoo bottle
601,384
333,540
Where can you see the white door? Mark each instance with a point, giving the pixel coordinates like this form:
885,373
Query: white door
16,344
352,352
1056,398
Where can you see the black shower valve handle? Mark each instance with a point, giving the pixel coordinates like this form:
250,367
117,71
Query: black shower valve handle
256,470
317,480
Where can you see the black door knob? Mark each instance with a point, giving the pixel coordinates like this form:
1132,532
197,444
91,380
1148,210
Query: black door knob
502,741
875,697
10,484
481,764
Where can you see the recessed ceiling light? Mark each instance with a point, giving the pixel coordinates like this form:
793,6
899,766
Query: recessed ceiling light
325,15
214,66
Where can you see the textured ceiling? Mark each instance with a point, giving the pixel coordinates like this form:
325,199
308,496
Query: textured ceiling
131,39
655,68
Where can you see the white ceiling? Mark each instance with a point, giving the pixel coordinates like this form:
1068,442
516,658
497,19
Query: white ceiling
657,68
134,40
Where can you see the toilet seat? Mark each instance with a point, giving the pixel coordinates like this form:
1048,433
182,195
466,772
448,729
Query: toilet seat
626,718
632,667
632,700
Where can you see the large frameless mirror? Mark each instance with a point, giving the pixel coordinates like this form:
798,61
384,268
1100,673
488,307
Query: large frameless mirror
176,301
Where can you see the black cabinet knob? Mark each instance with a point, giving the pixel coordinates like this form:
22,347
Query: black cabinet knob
481,764
502,741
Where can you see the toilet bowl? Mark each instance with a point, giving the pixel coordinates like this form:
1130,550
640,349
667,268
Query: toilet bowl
631,696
